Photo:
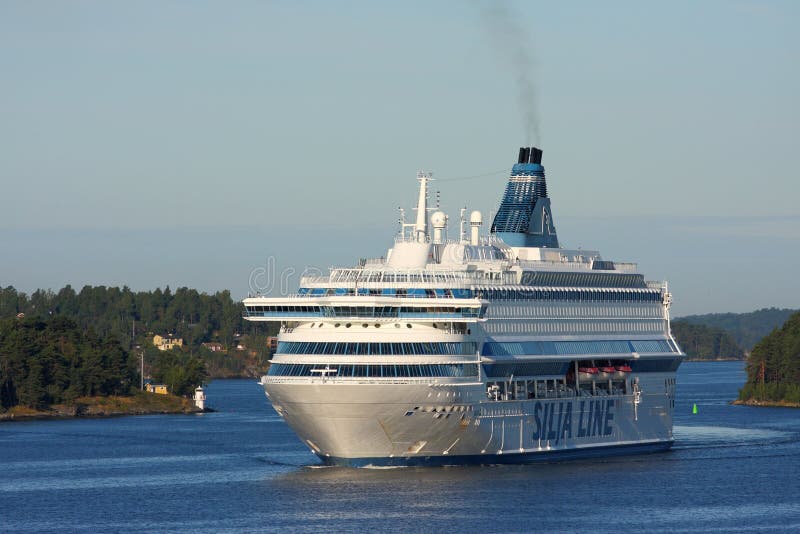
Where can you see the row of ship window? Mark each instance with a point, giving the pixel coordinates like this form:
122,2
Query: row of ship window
521,369
562,327
577,294
555,278
397,311
310,347
366,311
377,371
386,292
569,292
576,347
507,370
492,348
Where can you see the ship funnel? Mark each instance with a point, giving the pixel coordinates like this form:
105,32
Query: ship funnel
524,218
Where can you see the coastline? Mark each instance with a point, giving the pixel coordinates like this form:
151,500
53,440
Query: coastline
765,403
113,406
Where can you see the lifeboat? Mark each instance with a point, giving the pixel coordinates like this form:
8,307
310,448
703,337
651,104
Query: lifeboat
622,370
588,373
605,371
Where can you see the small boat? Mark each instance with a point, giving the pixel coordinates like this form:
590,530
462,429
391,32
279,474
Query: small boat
622,370
605,371
588,373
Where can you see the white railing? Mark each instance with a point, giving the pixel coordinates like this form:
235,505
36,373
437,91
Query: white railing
266,379
569,265
626,267
416,278
543,265
314,280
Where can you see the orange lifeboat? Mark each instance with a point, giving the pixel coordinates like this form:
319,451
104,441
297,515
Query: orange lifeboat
588,373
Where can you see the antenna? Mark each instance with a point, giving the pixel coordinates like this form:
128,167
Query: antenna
421,228
461,235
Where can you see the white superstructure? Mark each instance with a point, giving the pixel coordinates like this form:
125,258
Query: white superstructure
486,349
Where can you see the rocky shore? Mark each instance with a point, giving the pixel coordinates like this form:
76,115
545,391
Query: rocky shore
767,404
112,406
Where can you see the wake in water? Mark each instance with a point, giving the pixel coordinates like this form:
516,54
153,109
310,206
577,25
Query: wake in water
706,437
279,463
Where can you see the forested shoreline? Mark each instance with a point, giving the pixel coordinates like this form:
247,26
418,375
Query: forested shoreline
773,368
56,347
45,362
746,329
726,336
702,342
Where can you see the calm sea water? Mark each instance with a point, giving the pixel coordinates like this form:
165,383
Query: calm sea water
242,469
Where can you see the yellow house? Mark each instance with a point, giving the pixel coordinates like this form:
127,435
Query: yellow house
167,343
161,389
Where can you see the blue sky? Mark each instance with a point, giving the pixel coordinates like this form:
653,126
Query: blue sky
183,143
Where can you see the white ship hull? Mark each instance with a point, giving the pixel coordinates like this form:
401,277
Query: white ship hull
444,424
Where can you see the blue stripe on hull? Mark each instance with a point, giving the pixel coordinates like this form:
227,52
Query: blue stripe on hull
509,458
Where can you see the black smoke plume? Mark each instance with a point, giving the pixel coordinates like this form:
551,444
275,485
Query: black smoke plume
512,44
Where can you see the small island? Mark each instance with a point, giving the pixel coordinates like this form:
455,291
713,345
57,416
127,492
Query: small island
773,368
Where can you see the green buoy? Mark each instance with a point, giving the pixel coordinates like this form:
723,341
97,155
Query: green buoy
694,408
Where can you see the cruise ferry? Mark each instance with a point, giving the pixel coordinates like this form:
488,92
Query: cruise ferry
492,347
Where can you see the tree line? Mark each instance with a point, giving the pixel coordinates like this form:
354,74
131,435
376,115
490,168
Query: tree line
58,346
703,342
54,361
118,312
773,367
747,329
133,317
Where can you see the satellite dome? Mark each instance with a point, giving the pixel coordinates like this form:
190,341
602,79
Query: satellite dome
438,219
475,217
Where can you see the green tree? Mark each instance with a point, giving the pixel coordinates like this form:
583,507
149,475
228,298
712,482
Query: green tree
51,361
705,342
182,373
773,368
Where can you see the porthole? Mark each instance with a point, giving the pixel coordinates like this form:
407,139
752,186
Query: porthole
364,325
337,325
348,325
320,325
397,325
408,325
377,325
435,325
312,325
